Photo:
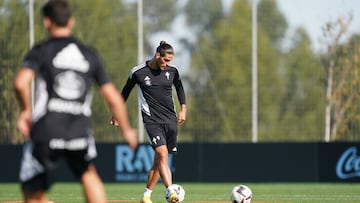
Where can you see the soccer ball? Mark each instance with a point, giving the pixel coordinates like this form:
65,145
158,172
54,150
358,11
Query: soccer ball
179,191
241,194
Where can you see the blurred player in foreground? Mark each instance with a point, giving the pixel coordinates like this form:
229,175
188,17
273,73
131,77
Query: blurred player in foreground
58,124
155,78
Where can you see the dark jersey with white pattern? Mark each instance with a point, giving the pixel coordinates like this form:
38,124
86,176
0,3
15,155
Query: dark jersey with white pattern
65,71
155,89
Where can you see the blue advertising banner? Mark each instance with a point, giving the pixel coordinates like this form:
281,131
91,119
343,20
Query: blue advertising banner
348,164
339,162
134,165
230,162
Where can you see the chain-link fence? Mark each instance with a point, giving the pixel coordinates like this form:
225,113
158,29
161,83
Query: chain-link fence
301,94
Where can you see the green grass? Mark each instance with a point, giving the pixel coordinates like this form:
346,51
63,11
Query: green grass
203,192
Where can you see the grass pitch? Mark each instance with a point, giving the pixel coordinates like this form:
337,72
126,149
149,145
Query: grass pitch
202,192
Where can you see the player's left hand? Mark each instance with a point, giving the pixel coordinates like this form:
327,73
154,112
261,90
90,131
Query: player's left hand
182,118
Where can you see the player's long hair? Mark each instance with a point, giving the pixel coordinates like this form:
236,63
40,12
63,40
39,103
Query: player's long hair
164,48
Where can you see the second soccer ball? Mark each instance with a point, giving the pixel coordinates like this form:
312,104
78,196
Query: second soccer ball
241,194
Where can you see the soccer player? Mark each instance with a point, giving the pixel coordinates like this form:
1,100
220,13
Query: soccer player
57,126
155,78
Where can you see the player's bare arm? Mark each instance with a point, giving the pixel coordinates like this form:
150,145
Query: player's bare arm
119,112
22,86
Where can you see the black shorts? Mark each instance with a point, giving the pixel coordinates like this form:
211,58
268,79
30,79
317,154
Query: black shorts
40,160
162,134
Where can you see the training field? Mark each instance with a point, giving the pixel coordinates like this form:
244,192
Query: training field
203,192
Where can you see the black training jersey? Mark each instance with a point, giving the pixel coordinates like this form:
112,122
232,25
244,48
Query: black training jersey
65,70
155,90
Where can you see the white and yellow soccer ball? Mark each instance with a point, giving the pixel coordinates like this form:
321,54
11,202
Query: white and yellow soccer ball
241,194
179,191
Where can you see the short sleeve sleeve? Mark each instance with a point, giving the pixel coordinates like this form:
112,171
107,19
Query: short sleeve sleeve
32,60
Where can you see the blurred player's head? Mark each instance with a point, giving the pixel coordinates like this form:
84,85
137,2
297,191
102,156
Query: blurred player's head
164,54
57,13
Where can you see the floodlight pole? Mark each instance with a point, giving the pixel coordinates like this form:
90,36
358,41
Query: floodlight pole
254,74
31,42
140,60
31,23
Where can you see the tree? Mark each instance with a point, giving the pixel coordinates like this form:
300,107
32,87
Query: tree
110,28
342,82
302,104
107,25
204,110
272,21
158,14
221,76
203,14
13,45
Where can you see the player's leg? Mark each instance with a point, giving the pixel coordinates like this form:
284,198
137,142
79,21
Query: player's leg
81,163
159,169
36,171
161,160
93,186
164,170
153,176
171,147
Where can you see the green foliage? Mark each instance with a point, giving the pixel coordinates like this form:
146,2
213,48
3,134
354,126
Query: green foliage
204,13
158,14
302,106
222,69
13,45
272,21
291,83
106,26
110,29
343,61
